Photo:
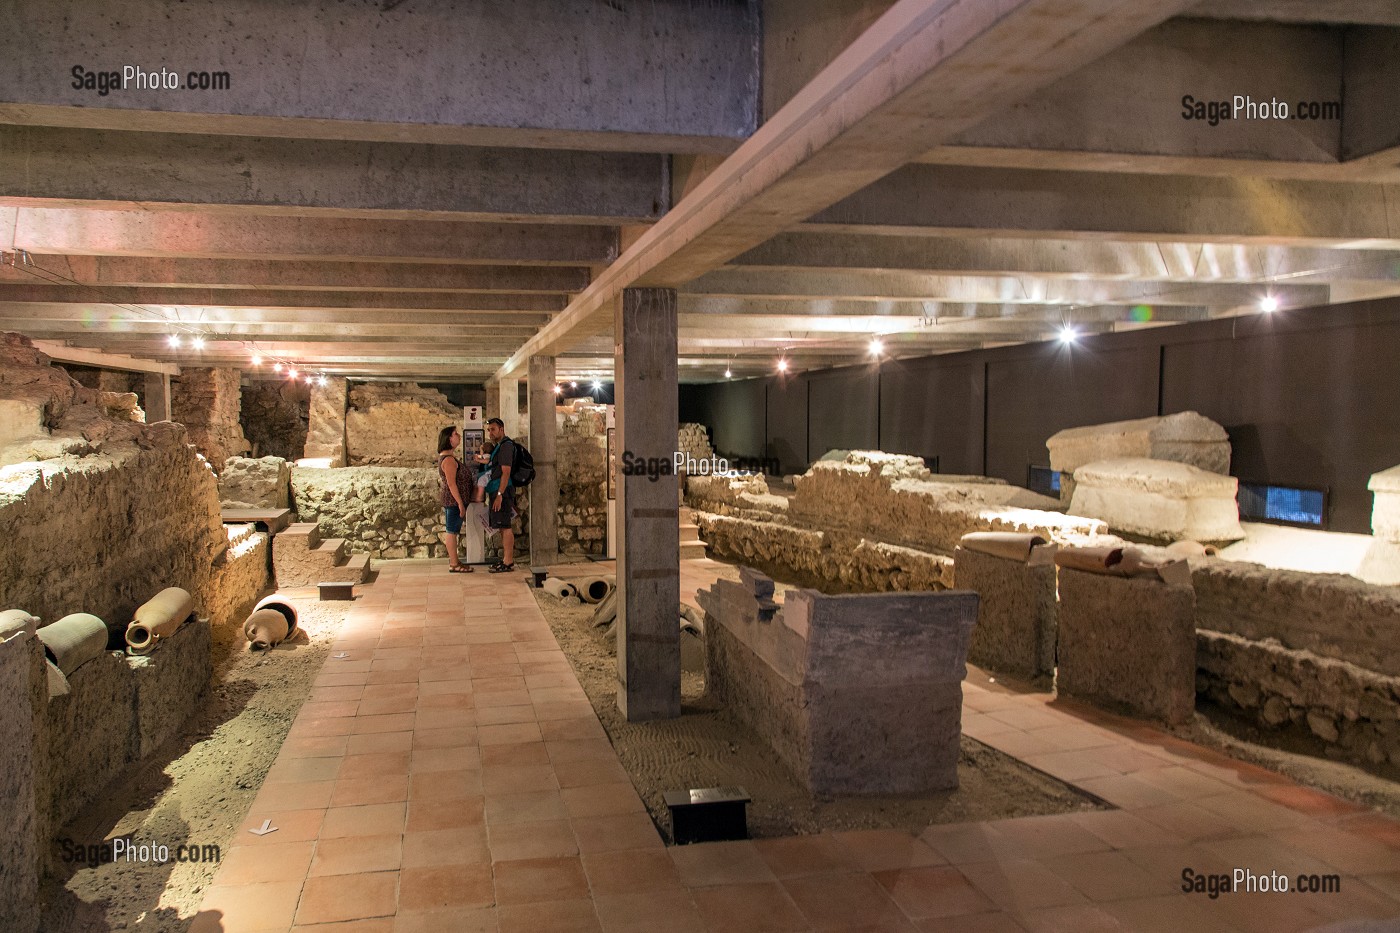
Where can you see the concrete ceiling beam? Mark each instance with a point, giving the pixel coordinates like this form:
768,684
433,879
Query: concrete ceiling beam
199,235
906,286
212,316
496,335
1170,261
62,353
1376,12
100,295
59,167
310,276
656,77
924,72
961,201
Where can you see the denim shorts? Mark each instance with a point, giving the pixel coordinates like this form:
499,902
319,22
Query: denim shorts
453,516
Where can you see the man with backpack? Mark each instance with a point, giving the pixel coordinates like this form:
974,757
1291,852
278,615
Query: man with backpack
511,467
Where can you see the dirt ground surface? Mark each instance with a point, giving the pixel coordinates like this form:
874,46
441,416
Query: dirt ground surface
194,791
709,747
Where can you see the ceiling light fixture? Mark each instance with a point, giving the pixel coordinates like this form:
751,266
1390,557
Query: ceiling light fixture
257,360
558,389
573,385
1268,304
782,365
877,346
173,340
1068,334
277,367
292,373
321,380
597,385
197,343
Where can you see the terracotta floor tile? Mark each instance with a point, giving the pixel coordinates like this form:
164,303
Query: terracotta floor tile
572,730
460,758
291,826
1343,850
378,819
326,746
1188,821
510,733
447,701
490,684
571,709
381,764
447,886
375,925
459,920
1244,810
933,892
249,907
1043,837
526,881
672,911
281,862
885,849
1121,829
304,795
378,743
1108,876
426,815
1130,792
602,800
505,715
529,807
757,908
961,843
1167,915
973,923
465,845
614,833
429,719
490,698
505,779
515,753
549,839
804,855
549,917
384,788
842,900
1082,919
581,750
632,871
580,773
445,738
350,855
348,897
714,863
1021,885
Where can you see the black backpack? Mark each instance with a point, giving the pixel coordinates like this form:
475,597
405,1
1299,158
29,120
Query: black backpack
522,468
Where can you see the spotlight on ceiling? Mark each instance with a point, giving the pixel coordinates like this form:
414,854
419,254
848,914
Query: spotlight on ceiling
877,346
257,360
1068,334
597,385
1268,304
277,367
173,340
782,366
573,385
557,390
728,373
292,373
320,380
197,343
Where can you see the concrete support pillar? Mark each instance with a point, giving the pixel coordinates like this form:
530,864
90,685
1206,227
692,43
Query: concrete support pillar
648,556
157,397
544,491
503,401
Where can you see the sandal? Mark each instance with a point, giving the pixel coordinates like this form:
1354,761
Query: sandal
460,568
503,568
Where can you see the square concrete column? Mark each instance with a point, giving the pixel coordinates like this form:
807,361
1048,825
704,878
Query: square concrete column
648,557
503,401
544,491
157,397
325,429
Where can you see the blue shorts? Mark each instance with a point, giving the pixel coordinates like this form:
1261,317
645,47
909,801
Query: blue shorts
453,516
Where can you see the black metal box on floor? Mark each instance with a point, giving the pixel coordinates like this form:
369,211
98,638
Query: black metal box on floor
708,814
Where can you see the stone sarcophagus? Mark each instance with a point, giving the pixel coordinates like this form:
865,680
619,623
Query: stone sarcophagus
857,694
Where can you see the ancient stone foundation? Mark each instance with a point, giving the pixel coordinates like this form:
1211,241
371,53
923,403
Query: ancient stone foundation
264,483
1381,565
1158,499
274,417
581,460
1128,642
207,402
396,424
856,694
385,512
1184,437
1016,618
325,430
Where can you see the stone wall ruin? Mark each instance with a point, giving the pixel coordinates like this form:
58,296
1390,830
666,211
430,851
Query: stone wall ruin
274,416
208,403
396,424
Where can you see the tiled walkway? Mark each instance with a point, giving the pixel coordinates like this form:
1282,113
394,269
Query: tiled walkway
448,774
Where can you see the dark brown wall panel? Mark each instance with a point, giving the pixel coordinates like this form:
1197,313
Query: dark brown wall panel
843,409
787,422
933,407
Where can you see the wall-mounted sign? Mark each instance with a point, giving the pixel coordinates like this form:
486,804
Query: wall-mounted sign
612,465
475,415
